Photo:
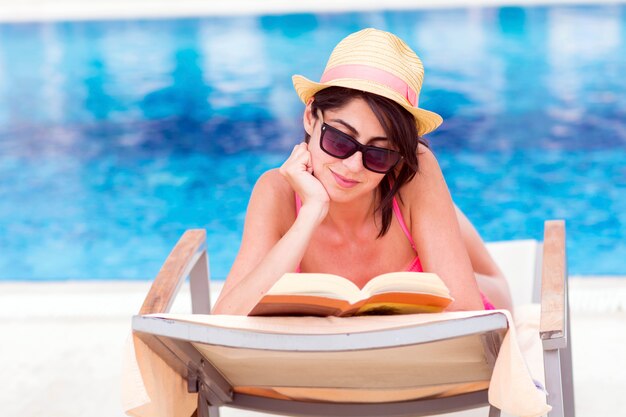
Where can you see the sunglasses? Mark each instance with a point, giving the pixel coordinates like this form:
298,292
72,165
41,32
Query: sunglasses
340,145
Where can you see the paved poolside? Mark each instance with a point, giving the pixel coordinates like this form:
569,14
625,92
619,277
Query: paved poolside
62,346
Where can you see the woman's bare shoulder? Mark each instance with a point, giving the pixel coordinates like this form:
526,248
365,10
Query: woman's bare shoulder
428,177
272,195
427,160
272,179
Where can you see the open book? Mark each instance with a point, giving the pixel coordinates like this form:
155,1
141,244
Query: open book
309,294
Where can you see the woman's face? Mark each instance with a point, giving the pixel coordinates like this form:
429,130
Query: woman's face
346,179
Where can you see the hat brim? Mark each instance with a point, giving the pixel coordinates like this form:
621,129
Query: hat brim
426,121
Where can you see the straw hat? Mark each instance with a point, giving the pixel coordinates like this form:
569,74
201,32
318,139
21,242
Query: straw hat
377,62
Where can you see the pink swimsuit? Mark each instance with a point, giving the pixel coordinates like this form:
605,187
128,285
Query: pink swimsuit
415,265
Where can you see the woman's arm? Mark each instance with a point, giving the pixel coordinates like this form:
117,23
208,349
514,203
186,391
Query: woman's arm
267,251
274,240
490,278
437,234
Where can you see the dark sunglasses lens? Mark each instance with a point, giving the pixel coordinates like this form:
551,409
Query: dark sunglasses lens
337,145
381,160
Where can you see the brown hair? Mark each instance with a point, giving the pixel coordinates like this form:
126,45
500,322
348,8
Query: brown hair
399,126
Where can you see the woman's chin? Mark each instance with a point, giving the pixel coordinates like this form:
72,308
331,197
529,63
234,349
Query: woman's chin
341,191
346,195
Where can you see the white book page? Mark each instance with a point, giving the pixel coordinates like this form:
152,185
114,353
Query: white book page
324,285
422,282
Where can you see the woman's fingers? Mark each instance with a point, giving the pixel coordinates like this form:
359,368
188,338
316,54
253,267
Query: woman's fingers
298,161
298,170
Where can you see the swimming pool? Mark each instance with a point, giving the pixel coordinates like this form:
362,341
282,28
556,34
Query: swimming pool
117,136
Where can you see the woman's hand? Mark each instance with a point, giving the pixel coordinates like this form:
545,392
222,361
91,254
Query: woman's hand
298,171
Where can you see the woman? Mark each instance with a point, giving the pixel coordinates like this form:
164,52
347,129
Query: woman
363,194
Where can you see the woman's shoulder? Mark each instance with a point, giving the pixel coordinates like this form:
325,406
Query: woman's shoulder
273,194
273,179
425,187
428,172
274,183
426,158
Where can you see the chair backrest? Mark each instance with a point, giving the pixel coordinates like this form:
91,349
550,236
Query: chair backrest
520,261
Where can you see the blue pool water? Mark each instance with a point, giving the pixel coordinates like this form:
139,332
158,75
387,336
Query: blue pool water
115,137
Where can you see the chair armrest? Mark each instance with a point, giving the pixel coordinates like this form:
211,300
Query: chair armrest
554,309
178,265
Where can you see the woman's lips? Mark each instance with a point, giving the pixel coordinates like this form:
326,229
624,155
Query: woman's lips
343,181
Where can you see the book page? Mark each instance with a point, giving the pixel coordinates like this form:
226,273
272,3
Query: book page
323,285
420,282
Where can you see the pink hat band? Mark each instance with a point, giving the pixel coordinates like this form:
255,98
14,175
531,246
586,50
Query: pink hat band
368,73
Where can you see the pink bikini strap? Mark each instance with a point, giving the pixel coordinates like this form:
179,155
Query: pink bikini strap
398,213
298,203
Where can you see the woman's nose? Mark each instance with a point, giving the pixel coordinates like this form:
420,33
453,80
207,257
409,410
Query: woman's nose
355,162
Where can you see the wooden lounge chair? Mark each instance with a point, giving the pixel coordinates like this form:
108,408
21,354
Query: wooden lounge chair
409,365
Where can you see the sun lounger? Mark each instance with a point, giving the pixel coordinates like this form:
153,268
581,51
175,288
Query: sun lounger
406,365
